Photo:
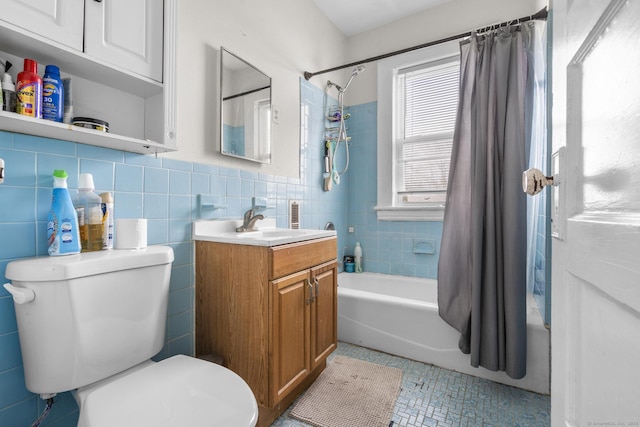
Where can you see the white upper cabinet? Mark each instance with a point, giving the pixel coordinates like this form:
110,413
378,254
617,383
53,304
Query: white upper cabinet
126,32
121,57
60,20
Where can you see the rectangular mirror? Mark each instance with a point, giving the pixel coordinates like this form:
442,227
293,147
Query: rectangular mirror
245,109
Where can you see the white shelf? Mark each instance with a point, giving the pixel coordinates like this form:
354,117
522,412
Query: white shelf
13,122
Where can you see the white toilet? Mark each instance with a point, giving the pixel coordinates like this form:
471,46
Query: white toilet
91,322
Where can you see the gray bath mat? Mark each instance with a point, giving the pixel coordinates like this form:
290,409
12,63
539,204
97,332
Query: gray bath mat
350,393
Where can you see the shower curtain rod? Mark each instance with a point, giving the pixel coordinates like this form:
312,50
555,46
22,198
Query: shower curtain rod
542,15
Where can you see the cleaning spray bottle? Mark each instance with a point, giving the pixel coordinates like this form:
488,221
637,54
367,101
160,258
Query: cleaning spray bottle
63,236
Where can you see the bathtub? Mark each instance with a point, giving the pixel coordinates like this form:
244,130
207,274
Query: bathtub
399,315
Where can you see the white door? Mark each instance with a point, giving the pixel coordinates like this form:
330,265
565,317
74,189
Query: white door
596,254
59,20
128,33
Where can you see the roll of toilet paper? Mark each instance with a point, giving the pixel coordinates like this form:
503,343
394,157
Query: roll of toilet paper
131,233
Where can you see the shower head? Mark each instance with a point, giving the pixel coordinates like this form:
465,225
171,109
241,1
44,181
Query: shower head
358,70
354,73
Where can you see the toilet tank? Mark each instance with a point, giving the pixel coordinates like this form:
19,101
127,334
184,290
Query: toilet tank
94,314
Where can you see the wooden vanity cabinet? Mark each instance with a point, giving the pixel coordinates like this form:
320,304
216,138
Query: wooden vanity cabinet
324,313
270,312
303,325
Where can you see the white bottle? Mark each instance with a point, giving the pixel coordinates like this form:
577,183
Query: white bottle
357,253
89,208
8,93
107,220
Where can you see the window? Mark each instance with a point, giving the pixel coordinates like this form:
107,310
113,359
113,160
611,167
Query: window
262,120
417,103
426,102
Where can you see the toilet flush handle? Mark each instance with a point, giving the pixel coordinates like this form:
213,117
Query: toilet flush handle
20,295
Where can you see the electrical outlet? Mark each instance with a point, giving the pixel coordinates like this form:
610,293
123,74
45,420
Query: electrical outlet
351,229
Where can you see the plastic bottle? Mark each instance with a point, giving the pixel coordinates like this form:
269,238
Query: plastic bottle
357,253
89,208
107,220
67,117
8,93
52,94
63,237
29,90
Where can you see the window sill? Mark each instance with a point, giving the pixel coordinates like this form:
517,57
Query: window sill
410,213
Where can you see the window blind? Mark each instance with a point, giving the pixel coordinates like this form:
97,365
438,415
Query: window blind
427,102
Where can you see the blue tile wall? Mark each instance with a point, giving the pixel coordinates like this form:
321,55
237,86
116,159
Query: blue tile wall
387,246
165,192
162,190
234,139
542,245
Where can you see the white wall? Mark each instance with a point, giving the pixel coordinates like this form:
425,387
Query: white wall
448,19
283,38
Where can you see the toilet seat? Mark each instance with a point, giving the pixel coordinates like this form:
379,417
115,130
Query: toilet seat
180,391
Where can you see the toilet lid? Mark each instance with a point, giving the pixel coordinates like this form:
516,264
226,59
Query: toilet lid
177,392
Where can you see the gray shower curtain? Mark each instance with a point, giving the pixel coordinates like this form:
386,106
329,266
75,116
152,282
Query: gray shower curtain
482,264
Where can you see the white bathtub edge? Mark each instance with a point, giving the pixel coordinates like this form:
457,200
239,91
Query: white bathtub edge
449,356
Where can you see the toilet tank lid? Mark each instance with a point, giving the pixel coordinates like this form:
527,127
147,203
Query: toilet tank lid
51,268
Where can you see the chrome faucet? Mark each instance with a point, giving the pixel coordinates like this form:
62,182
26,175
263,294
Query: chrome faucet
249,223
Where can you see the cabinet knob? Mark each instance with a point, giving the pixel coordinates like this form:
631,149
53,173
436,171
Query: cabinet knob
98,1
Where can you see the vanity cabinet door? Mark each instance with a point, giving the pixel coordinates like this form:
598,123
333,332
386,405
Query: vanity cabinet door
324,312
59,20
289,333
128,33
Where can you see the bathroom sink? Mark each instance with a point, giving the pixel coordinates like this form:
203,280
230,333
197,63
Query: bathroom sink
274,234
266,235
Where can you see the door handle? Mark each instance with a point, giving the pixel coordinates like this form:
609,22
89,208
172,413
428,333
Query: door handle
315,281
534,180
311,297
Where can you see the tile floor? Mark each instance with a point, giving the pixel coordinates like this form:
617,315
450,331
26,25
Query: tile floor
437,397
